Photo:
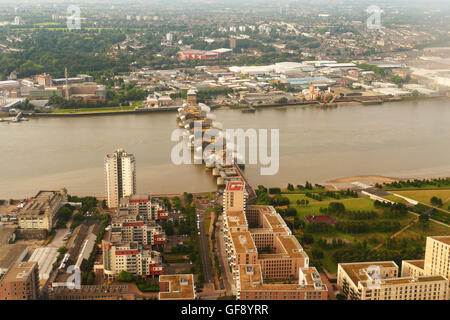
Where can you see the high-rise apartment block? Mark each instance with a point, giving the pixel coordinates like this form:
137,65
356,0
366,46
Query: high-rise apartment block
120,171
21,282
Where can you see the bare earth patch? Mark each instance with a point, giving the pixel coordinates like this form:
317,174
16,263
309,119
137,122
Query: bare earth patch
365,178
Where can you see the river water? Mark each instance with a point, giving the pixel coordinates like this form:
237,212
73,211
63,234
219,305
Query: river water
403,139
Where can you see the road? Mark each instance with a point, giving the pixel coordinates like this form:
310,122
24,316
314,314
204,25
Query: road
225,269
204,251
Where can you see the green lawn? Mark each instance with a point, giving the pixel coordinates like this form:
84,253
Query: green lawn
425,195
176,258
351,204
396,199
313,208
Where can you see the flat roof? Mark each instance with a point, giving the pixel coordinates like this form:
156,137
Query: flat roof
39,204
275,222
251,280
236,219
356,270
19,272
417,263
292,247
45,257
243,242
181,286
443,239
235,186
407,280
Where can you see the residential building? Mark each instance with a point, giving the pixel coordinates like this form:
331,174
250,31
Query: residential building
146,233
260,247
143,206
120,171
21,282
130,257
436,262
380,281
251,286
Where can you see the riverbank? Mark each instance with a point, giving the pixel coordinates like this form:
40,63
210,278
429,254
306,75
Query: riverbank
366,178
375,100
126,110
67,113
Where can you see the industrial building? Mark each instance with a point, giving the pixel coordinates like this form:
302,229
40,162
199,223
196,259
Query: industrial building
45,258
39,213
205,55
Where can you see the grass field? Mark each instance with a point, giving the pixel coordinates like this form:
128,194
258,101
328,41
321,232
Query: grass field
372,238
425,195
396,199
351,204
176,258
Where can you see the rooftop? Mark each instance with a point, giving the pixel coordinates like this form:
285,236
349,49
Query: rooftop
236,219
251,280
180,286
43,201
235,186
19,272
443,239
358,271
243,242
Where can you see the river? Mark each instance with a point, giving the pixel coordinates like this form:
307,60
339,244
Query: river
401,139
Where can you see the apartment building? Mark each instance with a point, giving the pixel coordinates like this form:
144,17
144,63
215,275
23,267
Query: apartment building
176,287
251,286
132,230
437,256
260,247
120,176
144,206
380,281
235,196
39,213
436,262
21,282
129,257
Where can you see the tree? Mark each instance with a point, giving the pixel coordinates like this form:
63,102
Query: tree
290,187
307,238
435,201
424,218
125,277
90,278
